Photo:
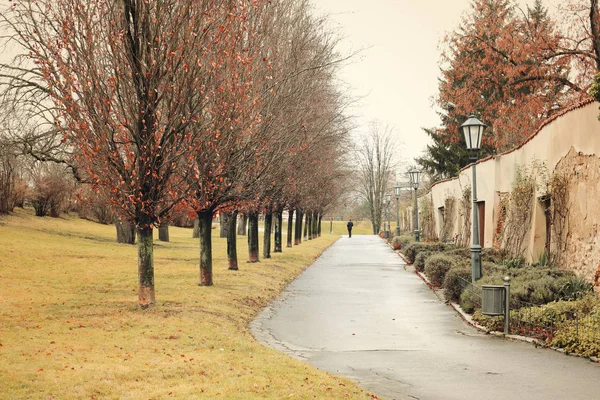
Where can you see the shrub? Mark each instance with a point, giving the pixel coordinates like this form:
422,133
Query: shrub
534,286
571,325
575,288
93,205
438,265
402,241
493,323
413,249
52,189
406,240
420,259
574,339
490,268
493,255
459,251
455,282
536,291
514,262
576,322
470,299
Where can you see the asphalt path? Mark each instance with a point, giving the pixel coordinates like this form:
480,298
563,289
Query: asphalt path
357,312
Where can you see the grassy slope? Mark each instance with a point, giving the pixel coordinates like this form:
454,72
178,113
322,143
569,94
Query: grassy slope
70,326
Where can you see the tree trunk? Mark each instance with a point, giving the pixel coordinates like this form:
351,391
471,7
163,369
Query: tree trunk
145,267
125,232
298,237
253,237
308,230
290,227
163,232
267,235
196,231
232,242
595,30
315,228
242,226
278,225
319,227
223,220
306,223
205,218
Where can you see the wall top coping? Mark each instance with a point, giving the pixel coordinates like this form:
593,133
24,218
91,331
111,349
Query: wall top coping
546,122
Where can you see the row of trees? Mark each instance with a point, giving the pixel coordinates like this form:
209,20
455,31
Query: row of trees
514,68
171,106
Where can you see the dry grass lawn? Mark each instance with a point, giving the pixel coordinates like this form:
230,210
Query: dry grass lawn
360,227
70,326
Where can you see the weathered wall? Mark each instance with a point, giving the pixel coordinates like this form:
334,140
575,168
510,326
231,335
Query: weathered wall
568,144
583,211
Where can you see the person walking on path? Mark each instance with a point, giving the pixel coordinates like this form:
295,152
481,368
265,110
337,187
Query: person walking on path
350,225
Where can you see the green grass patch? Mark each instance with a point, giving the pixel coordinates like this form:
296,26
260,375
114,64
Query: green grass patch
70,326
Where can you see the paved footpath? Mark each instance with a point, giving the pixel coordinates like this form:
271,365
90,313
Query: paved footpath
357,312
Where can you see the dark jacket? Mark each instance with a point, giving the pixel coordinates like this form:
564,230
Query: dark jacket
350,225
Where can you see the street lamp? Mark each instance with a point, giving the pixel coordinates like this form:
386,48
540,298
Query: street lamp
415,176
388,198
397,193
473,131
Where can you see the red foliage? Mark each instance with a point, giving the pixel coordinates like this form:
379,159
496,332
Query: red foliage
509,67
130,80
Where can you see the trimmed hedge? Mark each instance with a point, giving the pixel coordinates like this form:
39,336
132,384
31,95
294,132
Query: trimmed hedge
420,259
411,251
493,255
455,282
438,265
533,286
470,301
489,255
400,242
405,240
459,252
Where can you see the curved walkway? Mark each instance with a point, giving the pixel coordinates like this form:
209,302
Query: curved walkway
357,312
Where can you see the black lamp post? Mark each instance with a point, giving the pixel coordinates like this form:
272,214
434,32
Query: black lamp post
397,193
415,177
473,131
388,201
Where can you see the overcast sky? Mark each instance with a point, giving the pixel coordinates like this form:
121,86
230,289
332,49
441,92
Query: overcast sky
398,70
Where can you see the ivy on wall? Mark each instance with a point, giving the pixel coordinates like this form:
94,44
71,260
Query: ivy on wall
519,210
504,199
426,215
558,189
447,228
464,213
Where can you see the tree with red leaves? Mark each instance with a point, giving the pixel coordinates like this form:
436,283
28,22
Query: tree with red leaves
513,68
499,65
129,82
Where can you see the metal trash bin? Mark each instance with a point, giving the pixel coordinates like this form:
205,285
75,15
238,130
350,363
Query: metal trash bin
493,300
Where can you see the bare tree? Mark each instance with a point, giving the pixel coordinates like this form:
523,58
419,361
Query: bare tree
376,170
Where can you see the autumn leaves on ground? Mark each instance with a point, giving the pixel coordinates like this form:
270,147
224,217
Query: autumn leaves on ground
71,327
